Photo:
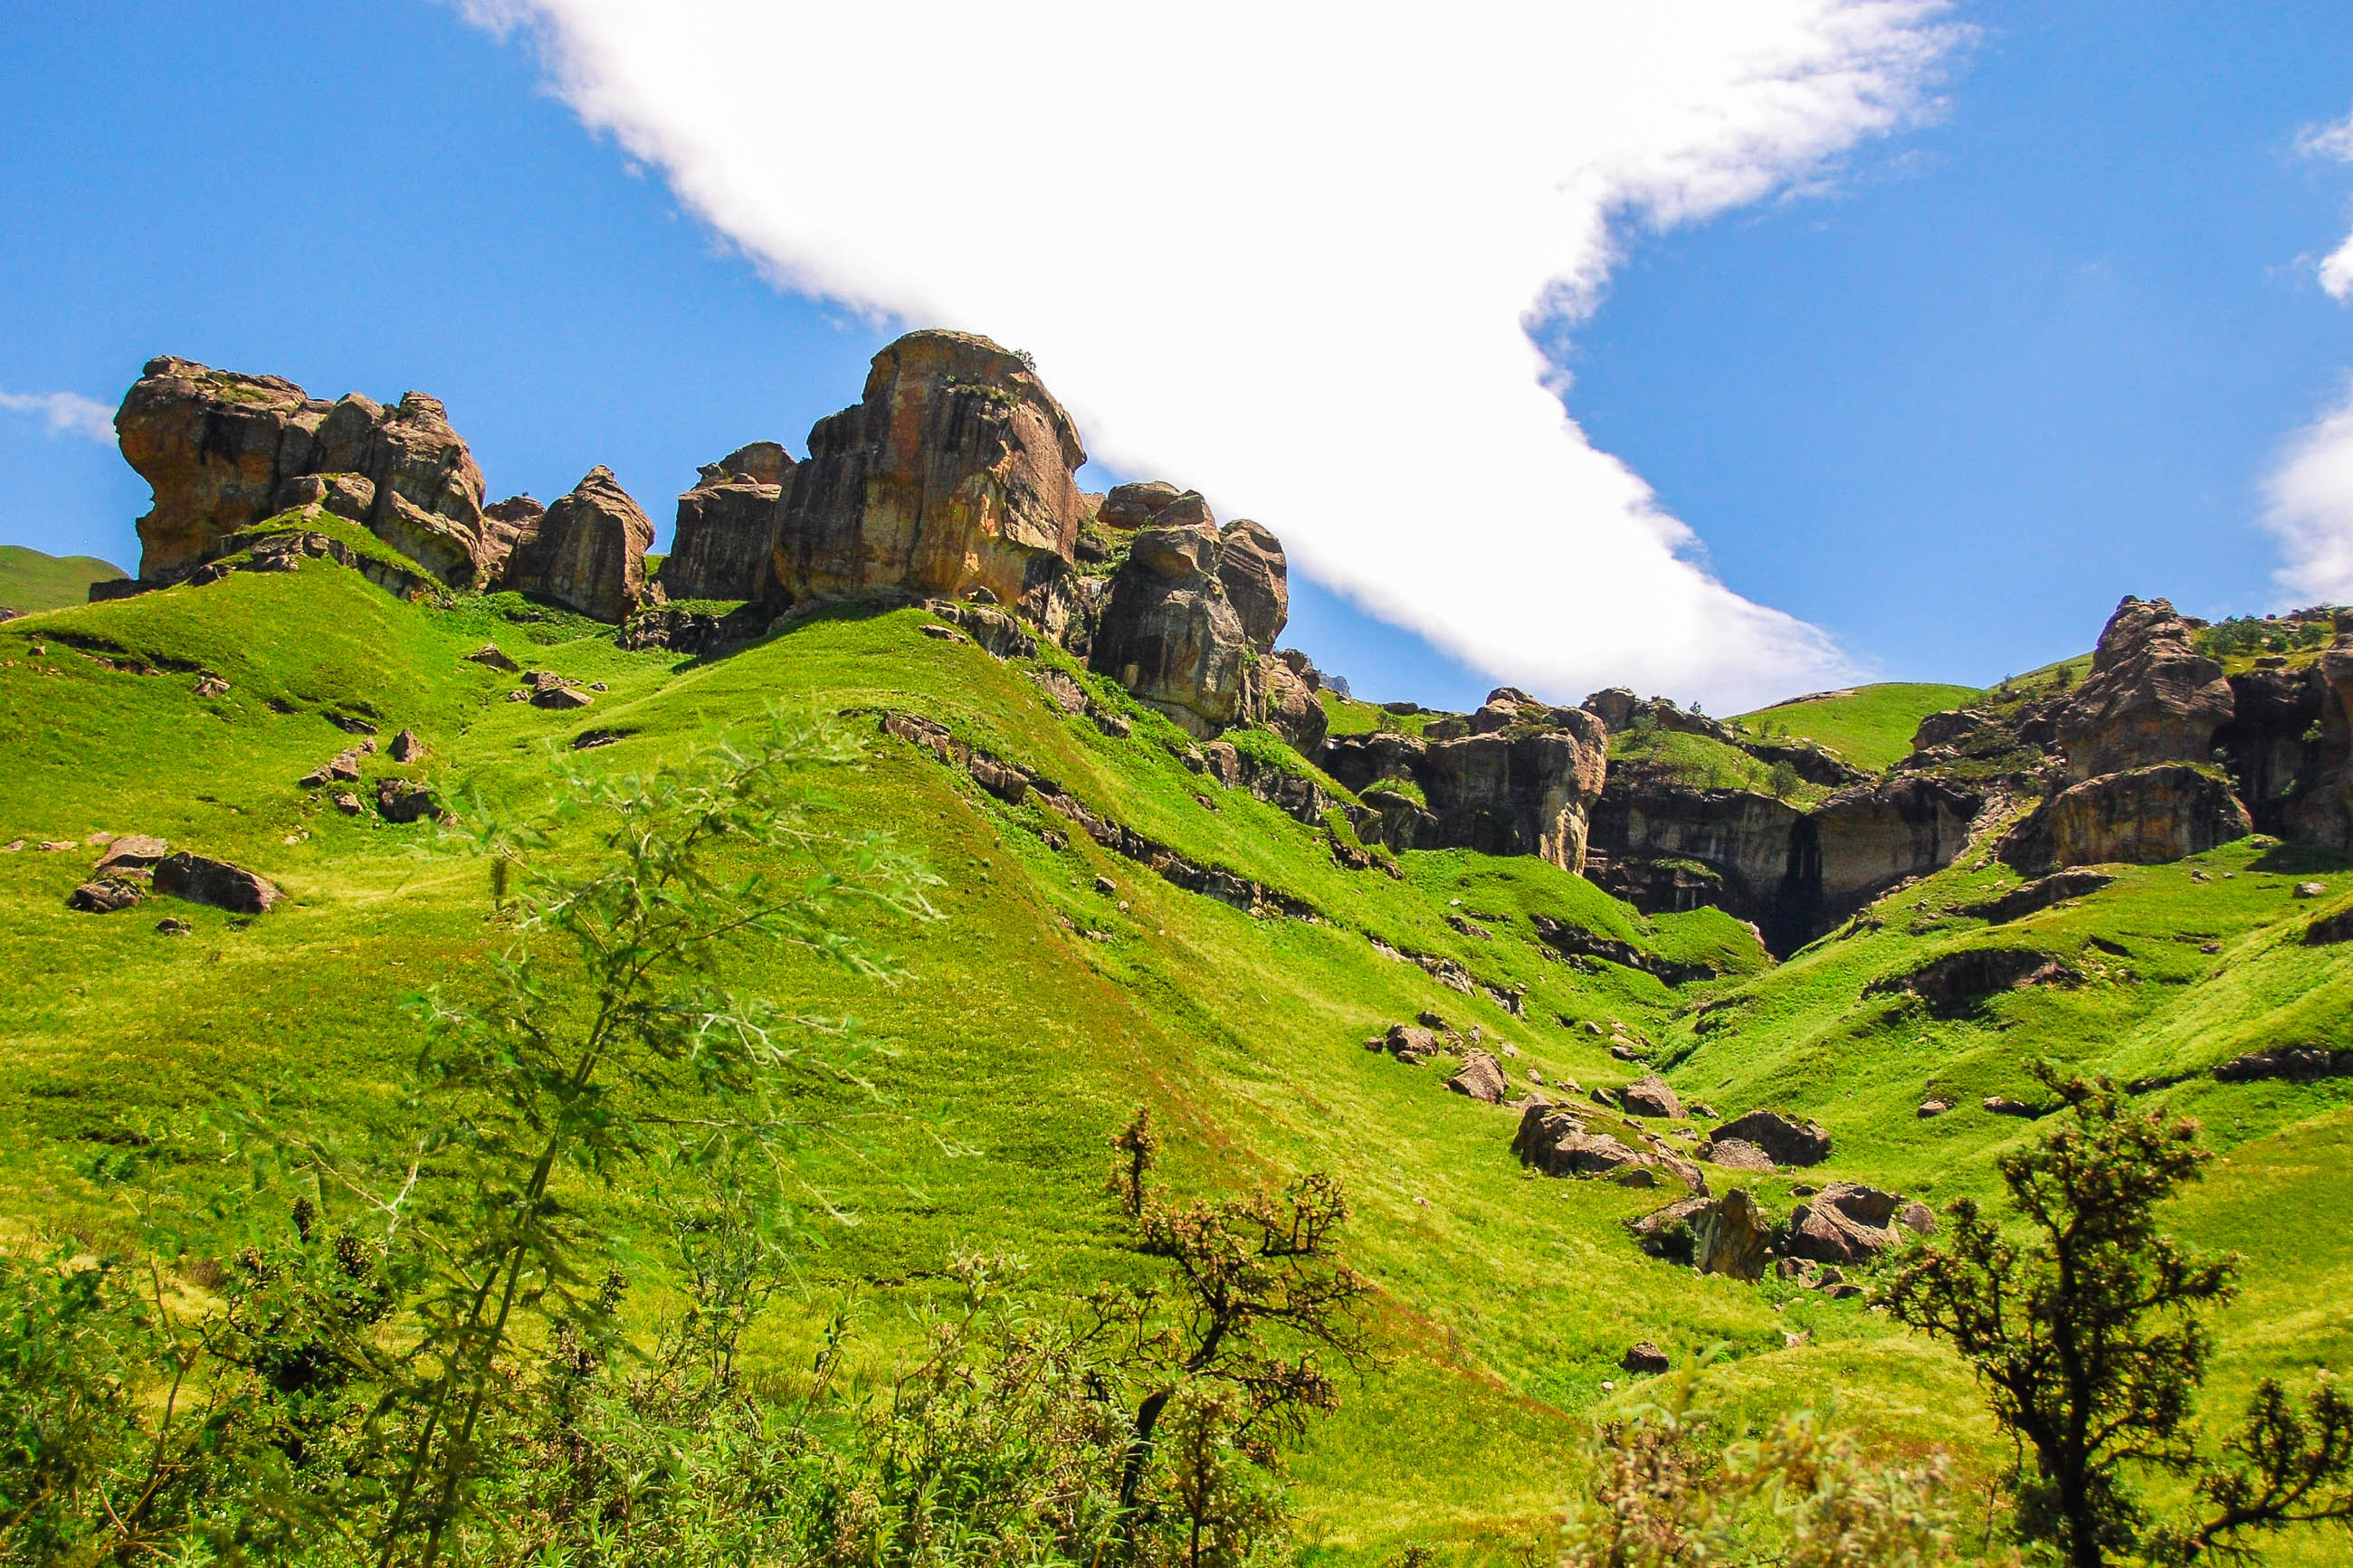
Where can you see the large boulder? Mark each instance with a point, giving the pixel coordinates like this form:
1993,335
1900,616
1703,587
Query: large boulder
1845,1223
1293,710
1133,506
1650,1095
1171,635
1482,1078
200,880
224,451
1733,1237
727,526
952,473
2143,817
1787,1138
2151,695
589,552
1256,576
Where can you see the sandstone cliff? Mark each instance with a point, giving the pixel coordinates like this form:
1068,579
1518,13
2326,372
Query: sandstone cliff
728,525
225,451
1171,631
2151,695
953,473
588,552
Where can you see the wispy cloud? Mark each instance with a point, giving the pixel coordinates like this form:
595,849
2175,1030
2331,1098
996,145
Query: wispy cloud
2332,141
2308,506
1290,254
68,412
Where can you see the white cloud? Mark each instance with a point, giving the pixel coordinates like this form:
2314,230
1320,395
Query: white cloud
68,413
2333,140
2308,505
1287,254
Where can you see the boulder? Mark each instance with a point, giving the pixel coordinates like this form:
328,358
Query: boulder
1736,1154
1553,1139
1482,1078
224,451
403,800
133,852
1255,574
105,895
507,523
405,747
1787,1140
199,880
727,526
2151,696
1847,1223
1649,1096
1293,709
490,654
953,472
589,552
1733,1237
1917,1217
1958,982
1408,1043
1644,1359
2144,817
1133,506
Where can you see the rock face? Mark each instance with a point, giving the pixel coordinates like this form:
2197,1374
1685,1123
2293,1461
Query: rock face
1173,630
2144,817
2151,696
727,525
1525,785
1847,1224
1787,1140
1794,874
225,451
589,552
1482,1078
1651,1096
1293,710
1959,980
952,473
1733,1237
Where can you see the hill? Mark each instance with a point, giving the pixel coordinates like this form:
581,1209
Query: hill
32,581
1200,885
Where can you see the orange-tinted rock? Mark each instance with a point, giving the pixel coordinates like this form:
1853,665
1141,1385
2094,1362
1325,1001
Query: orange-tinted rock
952,473
2143,817
2151,695
727,526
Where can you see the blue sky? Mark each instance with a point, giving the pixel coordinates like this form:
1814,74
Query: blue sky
1945,397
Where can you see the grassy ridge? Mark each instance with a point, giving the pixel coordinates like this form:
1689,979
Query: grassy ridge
1870,726
1040,1009
30,580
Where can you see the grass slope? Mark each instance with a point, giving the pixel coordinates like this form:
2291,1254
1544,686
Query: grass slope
1870,726
1040,1009
32,581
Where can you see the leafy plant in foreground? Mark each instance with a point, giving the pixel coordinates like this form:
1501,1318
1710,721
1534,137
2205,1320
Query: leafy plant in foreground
2088,1341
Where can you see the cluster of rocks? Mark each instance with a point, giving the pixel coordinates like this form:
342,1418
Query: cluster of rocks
398,800
1482,1075
136,865
1839,1226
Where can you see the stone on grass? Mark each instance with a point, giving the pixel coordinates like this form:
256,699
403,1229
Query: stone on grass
222,886
104,895
1734,1238
561,698
1736,1154
405,747
2312,889
1936,1106
172,925
1644,1358
1482,1078
132,852
1787,1140
401,800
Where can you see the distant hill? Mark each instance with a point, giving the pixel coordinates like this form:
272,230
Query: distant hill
1870,726
32,581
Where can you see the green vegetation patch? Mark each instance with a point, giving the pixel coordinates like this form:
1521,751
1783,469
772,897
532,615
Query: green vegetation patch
31,581
1870,726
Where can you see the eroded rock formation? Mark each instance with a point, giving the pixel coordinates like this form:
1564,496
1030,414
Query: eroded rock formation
1192,614
727,525
2151,695
952,473
2141,816
225,451
588,552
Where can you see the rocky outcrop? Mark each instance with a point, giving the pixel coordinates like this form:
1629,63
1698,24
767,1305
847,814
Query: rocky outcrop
2319,811
1172,631
1481,1078
1294,711
727,526
2151,696
589,552
1733,1237
225,451
1960,981
2144,816
952,473
1651,1096
2038,895
1525,785
199,880
1847,1224
1788,1140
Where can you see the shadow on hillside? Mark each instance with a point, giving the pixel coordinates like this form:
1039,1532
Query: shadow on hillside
2300,859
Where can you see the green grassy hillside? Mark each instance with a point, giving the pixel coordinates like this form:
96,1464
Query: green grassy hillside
1043,1008
32,581
1870,726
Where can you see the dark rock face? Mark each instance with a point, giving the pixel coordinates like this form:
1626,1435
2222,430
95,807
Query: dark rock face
2151,696
214,882
2039,894
1527,787
1133,506
1787,1140
1293,710
1172,634
1960,981
727,525
589,552
952,473
1846,1224
1482,1078
2320,811
2144,817
225,451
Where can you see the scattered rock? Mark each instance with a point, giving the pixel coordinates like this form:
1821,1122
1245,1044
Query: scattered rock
405,747
1411,1044
1644,1359
171,925
1482,1078
222,886
489,654
941,634
2311,889
1651,1096
1118,726
104,895
2302,1063
2037,895
1847,1223
1060,690
347,803
350,723
2002,1106
1736,1154
1733,1237
209,685
563,699
1917,1217
56,845
405,800
132,852
1788,1141
1936,1106
1958,982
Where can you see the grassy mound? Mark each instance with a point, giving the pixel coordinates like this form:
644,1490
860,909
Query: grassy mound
1870,726
32,581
